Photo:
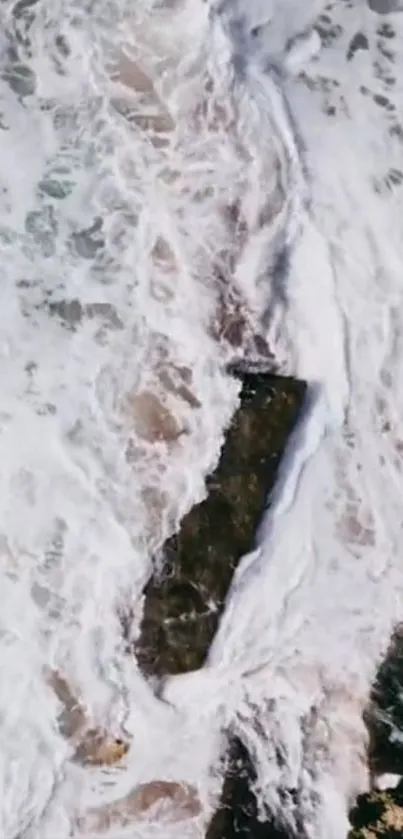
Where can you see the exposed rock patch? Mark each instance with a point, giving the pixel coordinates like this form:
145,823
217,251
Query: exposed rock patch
384,716
183,604
378,814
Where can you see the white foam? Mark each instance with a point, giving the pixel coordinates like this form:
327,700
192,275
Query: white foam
312,613
331,557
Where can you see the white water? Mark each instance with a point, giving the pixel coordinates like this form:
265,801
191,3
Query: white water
312,614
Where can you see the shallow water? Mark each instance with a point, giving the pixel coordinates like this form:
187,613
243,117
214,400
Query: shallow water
127,212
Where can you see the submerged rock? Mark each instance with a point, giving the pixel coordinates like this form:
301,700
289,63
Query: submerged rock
92,746
183,604
162,801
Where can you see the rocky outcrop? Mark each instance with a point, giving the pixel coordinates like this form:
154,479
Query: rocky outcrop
183,607
183,604
384,716
378,815
238,815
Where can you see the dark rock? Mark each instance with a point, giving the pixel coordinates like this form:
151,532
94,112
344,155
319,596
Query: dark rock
384,716
184,602
238,815
18,74
69,311
358,42
385,7
378,814
72,312
89,241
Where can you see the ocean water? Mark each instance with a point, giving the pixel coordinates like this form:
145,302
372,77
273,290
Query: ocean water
158,161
